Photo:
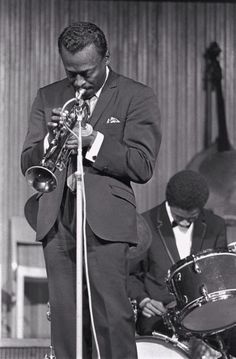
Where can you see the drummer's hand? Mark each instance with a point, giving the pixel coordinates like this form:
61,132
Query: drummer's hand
152,307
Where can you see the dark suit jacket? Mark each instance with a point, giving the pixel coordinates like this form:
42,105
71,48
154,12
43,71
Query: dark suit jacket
148,277
128,153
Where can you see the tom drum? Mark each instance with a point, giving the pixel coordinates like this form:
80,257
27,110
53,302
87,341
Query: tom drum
204,286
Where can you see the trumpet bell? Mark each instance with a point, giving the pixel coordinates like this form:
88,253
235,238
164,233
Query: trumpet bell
41,179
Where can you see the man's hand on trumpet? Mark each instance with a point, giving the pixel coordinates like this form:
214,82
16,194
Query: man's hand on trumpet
57,121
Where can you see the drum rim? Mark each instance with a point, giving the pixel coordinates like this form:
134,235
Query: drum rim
183,348
198,256
214,297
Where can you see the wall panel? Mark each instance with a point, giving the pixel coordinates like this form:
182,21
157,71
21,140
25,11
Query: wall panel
159,43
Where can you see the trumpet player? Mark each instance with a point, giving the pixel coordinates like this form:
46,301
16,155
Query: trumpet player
122,147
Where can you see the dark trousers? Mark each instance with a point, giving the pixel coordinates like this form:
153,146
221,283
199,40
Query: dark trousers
112,311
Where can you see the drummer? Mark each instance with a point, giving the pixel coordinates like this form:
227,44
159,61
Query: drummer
180,226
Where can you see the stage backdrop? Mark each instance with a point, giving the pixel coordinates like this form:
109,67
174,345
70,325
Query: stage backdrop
158,43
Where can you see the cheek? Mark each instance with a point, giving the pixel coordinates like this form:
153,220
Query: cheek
97,79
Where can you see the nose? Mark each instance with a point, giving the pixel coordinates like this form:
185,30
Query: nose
79,81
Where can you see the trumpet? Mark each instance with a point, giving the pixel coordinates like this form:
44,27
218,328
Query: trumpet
42,177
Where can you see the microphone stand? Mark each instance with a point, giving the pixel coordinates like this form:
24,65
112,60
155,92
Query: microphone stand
84,130
79,244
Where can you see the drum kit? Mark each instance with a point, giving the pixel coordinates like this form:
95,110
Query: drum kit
204,286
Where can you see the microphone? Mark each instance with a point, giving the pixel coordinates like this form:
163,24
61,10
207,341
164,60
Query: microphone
86,128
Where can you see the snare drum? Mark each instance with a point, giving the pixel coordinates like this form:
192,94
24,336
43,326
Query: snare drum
205,289
161,347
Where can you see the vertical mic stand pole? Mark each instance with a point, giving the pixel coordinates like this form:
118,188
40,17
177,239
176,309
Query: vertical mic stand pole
79,246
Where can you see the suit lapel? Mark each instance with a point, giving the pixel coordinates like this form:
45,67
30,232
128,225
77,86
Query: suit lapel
199,231
104,98
166,233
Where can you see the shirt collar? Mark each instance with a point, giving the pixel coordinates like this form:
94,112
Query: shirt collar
169,212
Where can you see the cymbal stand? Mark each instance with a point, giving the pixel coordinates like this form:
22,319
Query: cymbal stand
222,347
167,319
218,344
51,354
134,305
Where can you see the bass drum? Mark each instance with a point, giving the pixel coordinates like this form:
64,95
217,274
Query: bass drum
161,347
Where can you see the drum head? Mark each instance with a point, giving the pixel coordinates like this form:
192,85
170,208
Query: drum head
211,317
159,347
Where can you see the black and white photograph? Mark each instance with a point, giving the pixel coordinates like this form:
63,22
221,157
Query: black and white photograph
118,179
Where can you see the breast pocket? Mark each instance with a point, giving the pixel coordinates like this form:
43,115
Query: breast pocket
114,129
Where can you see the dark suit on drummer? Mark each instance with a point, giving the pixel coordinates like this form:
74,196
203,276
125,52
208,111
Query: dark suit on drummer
127,116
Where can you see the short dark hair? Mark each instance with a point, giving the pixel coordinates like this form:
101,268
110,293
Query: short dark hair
187,190
78,35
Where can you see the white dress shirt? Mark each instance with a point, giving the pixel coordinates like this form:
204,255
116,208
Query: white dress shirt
183,236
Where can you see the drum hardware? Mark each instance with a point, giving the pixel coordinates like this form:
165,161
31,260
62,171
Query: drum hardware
196,265
174,338
222,348
219,345
185,299
185,339
168,321
178,277
51,354
171,322
48,313
134,305
204,292
232,247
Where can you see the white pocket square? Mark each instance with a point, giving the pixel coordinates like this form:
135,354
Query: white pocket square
113,120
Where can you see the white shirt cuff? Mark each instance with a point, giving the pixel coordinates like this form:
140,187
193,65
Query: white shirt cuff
92,153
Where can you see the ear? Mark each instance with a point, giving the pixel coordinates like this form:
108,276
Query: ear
107,57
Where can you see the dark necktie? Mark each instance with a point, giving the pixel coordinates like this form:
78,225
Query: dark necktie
175,224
